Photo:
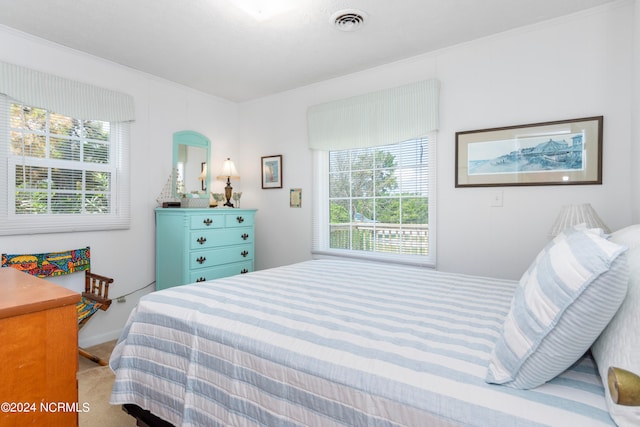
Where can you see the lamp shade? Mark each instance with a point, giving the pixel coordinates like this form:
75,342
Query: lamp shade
228,171
571,215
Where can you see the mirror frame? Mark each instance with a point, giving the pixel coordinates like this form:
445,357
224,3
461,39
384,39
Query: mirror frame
193,139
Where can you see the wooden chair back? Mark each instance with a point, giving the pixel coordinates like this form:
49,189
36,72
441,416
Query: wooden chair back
96,287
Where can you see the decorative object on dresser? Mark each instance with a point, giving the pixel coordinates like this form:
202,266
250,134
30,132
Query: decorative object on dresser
167,197
236,197
271,171
39,351
96,287
194,245
228,172
217,197
195,200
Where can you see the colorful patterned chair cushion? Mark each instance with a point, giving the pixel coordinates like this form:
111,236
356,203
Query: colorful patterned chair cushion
52,264
86,308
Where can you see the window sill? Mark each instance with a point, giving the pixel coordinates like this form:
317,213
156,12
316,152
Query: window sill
416,261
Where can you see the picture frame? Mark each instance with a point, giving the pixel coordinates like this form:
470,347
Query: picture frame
271,167
295,197
561,152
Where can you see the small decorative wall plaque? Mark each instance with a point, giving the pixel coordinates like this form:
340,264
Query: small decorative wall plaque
295,197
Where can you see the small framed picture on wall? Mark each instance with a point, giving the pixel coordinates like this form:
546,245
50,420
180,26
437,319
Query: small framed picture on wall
271,171
295,197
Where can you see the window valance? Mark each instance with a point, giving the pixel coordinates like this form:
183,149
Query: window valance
64,96
374,119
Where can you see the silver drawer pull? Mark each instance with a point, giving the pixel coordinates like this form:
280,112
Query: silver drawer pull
207,222
239,219
244,253
201,240
245,236
201,279
201,260
244,271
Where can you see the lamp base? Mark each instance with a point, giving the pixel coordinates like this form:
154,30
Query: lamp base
227,193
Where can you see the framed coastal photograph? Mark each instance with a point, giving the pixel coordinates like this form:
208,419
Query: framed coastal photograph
271,171
551,153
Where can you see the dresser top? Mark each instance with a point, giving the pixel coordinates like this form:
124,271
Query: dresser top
21,293
206,210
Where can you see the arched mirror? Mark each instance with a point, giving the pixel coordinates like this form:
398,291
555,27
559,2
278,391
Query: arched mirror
191,154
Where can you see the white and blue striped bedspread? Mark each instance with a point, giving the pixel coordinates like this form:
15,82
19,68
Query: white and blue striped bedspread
346,343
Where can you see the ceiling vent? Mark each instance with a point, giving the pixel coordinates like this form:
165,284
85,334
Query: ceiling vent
348,19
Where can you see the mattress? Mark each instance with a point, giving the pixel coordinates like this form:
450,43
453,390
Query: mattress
343,343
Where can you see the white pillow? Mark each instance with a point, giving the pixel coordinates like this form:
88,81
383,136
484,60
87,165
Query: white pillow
563,302
628,236
557,239
619,344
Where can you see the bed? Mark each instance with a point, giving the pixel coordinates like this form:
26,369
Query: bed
345,343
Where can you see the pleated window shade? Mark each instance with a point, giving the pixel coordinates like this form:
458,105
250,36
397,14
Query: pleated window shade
64,96
65,153
374,119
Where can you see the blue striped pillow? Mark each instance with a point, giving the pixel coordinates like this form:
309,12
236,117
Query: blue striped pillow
563,302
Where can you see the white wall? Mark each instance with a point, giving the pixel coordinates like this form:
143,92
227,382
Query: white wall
573,67
161,109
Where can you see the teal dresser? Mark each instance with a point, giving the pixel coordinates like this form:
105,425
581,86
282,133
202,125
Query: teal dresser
194,245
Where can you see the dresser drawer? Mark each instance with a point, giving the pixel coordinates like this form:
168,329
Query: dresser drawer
206,221
224,255
239,220
204,239
221,271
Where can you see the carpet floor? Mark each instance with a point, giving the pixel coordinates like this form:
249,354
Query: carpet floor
94,388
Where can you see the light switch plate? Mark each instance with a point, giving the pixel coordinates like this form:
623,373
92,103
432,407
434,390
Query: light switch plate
496,199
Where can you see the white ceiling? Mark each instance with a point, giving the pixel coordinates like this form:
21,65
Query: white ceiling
216,47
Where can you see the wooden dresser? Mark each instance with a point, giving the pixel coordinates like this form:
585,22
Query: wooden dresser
38,352
194,245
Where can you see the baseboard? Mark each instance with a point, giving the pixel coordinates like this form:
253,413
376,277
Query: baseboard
99,339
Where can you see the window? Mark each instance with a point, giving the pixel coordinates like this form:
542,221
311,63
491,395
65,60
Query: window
378,202
64,149
373,194
58,164
63,173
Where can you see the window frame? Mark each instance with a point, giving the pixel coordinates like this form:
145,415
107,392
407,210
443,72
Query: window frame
321,216
13,223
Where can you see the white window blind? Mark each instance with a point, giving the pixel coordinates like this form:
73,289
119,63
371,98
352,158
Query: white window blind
374,175
62,172
376,203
